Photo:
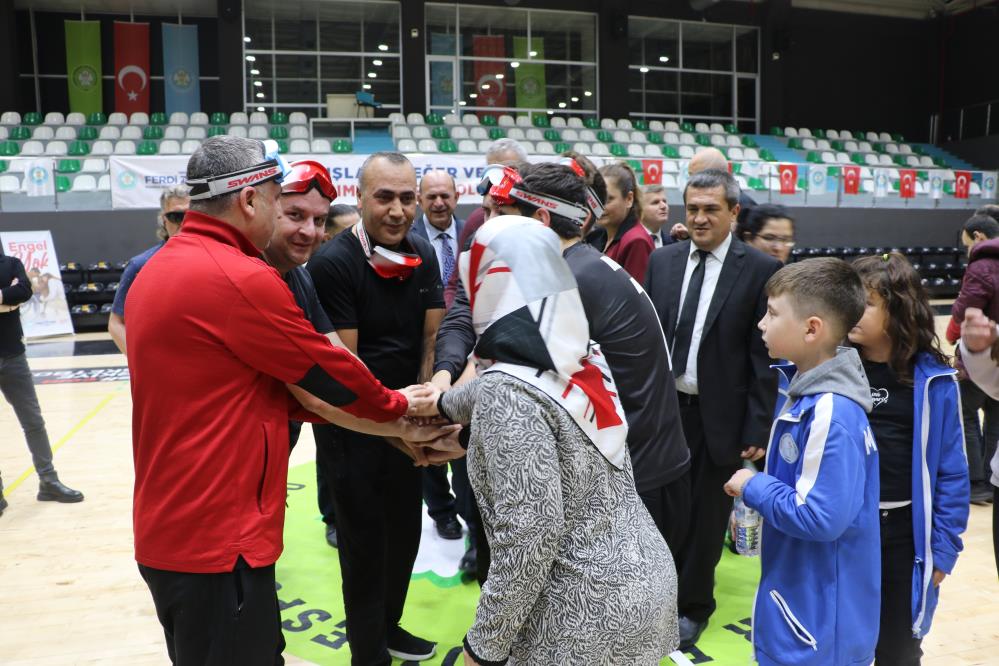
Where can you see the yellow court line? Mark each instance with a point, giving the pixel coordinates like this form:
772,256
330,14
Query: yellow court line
65,438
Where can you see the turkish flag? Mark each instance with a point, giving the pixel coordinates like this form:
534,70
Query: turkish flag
906,183
131,67
788,178
490,83
652,172
851,180
962,179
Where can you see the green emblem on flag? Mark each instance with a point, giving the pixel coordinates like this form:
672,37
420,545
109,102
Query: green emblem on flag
530,76
83,66
85,77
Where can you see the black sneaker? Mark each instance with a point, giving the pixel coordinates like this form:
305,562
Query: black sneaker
404,645
449,528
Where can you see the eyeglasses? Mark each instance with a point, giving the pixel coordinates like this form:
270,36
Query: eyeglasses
174,216
770,239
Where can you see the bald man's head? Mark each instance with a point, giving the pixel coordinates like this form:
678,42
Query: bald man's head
438,198
707,158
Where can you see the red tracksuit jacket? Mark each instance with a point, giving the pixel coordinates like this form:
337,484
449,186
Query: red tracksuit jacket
213,336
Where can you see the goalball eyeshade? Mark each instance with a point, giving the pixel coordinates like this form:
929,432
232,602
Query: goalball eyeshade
83,66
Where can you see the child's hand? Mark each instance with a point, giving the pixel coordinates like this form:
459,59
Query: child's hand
738,482
938,577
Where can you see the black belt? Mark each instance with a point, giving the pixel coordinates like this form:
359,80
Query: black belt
687,399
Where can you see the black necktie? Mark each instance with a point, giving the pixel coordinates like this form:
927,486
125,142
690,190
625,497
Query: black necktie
685,325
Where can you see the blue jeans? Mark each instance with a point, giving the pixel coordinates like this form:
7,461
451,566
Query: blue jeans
19,390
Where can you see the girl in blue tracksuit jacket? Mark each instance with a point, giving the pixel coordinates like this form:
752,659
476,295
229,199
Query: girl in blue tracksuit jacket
916,420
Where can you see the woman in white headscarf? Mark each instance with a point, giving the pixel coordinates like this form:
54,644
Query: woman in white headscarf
579,572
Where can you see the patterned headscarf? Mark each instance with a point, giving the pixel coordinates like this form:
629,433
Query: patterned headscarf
531,325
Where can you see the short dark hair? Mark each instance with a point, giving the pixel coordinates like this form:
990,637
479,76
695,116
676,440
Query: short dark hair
390,156
751,224
336,210
594,179
983,224
824,287
559,181
712,178
991,210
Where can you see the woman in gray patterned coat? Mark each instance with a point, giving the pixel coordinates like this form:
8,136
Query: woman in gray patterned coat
580,575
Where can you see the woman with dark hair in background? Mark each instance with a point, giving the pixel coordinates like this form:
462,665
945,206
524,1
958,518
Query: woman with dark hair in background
770,229
628,243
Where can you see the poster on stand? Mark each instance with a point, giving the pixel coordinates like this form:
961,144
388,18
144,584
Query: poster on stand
47,312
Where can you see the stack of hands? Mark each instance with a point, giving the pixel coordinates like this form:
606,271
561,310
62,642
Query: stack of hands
427,437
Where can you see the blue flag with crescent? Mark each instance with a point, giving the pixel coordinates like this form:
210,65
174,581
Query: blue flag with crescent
181,76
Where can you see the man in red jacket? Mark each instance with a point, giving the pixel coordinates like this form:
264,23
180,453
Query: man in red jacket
214,337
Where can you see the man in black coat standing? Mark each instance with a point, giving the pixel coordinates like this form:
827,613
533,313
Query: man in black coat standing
17,386
709,293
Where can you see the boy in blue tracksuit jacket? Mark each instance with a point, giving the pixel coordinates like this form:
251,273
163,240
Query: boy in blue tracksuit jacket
819,597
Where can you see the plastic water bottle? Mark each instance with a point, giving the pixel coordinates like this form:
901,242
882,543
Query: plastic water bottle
748,525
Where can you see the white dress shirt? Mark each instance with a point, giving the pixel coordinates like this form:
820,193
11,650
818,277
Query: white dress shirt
433,234
657,239
687,382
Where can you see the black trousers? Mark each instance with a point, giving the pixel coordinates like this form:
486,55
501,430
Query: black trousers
324,468
709,513
980,443
669,506
219,619
437,493
376,496
896,645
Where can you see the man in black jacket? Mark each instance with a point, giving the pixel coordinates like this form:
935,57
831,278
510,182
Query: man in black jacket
624,323
19,389
709,292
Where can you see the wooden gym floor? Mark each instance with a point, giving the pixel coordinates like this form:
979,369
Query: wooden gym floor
70,592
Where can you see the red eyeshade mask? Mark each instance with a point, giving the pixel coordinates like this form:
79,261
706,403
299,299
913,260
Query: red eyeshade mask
386,263
306,174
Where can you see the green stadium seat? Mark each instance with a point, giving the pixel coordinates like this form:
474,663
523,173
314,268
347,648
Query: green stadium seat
279,118
488,120
434,119
282,146
279,132
654,137
731,129
819,133
756,184
837,145
857,158
898,138
591,123
899,160
776,131
813,157
795,143
703,140
152,132
62,184
922,175
147,148
941,162
552,135
918,150
217,130
879,148
20,133
670,151
79,148
948,187
220,118
87,133
342,146
440,132
97,118
686,127
497,133
605,136
9,149
3,166
447,146
68,166
617,150
767,155
158,118
736,167
723,151
540,121
32,118
803,182
641,125
562,147
749,142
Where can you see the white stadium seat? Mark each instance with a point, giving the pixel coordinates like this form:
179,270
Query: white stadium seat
884,160
652,150
427,146
174,132
400,132
843,158
851,146
669,181
237,130
823,144
638,136
620,136
258,118
103,148
467,146
169,147
122,148
517,134
32,148
702,128
544,148
905,149
735,153
581,148
688,139
84,183
891,148
600,150
808,144
190,146
827,157
321,146
54,118
91,165
532,134
197,133
750,154
459,132
10,184
865,147
587,135
179,118
872,137
884,137
451,119
3,132
394,118
299,118
56,148
117,118
718,140
573,122
558,122
130,132
478,133
239,118
790,132
845,134
670,166
608,124
871,159
733,140
420,132
76,119
912,160
258,132
671,126
524,121
804,132
832,135
66,133
10,118
406,146
636,150
298,132
139,118
414,119
926,161
484,146
671,138
199,118
656,125
104,183
470,120
43,134
299,146
625,124
718,128
528,147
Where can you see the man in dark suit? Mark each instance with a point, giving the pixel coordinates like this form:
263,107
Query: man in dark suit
438,199
709,292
